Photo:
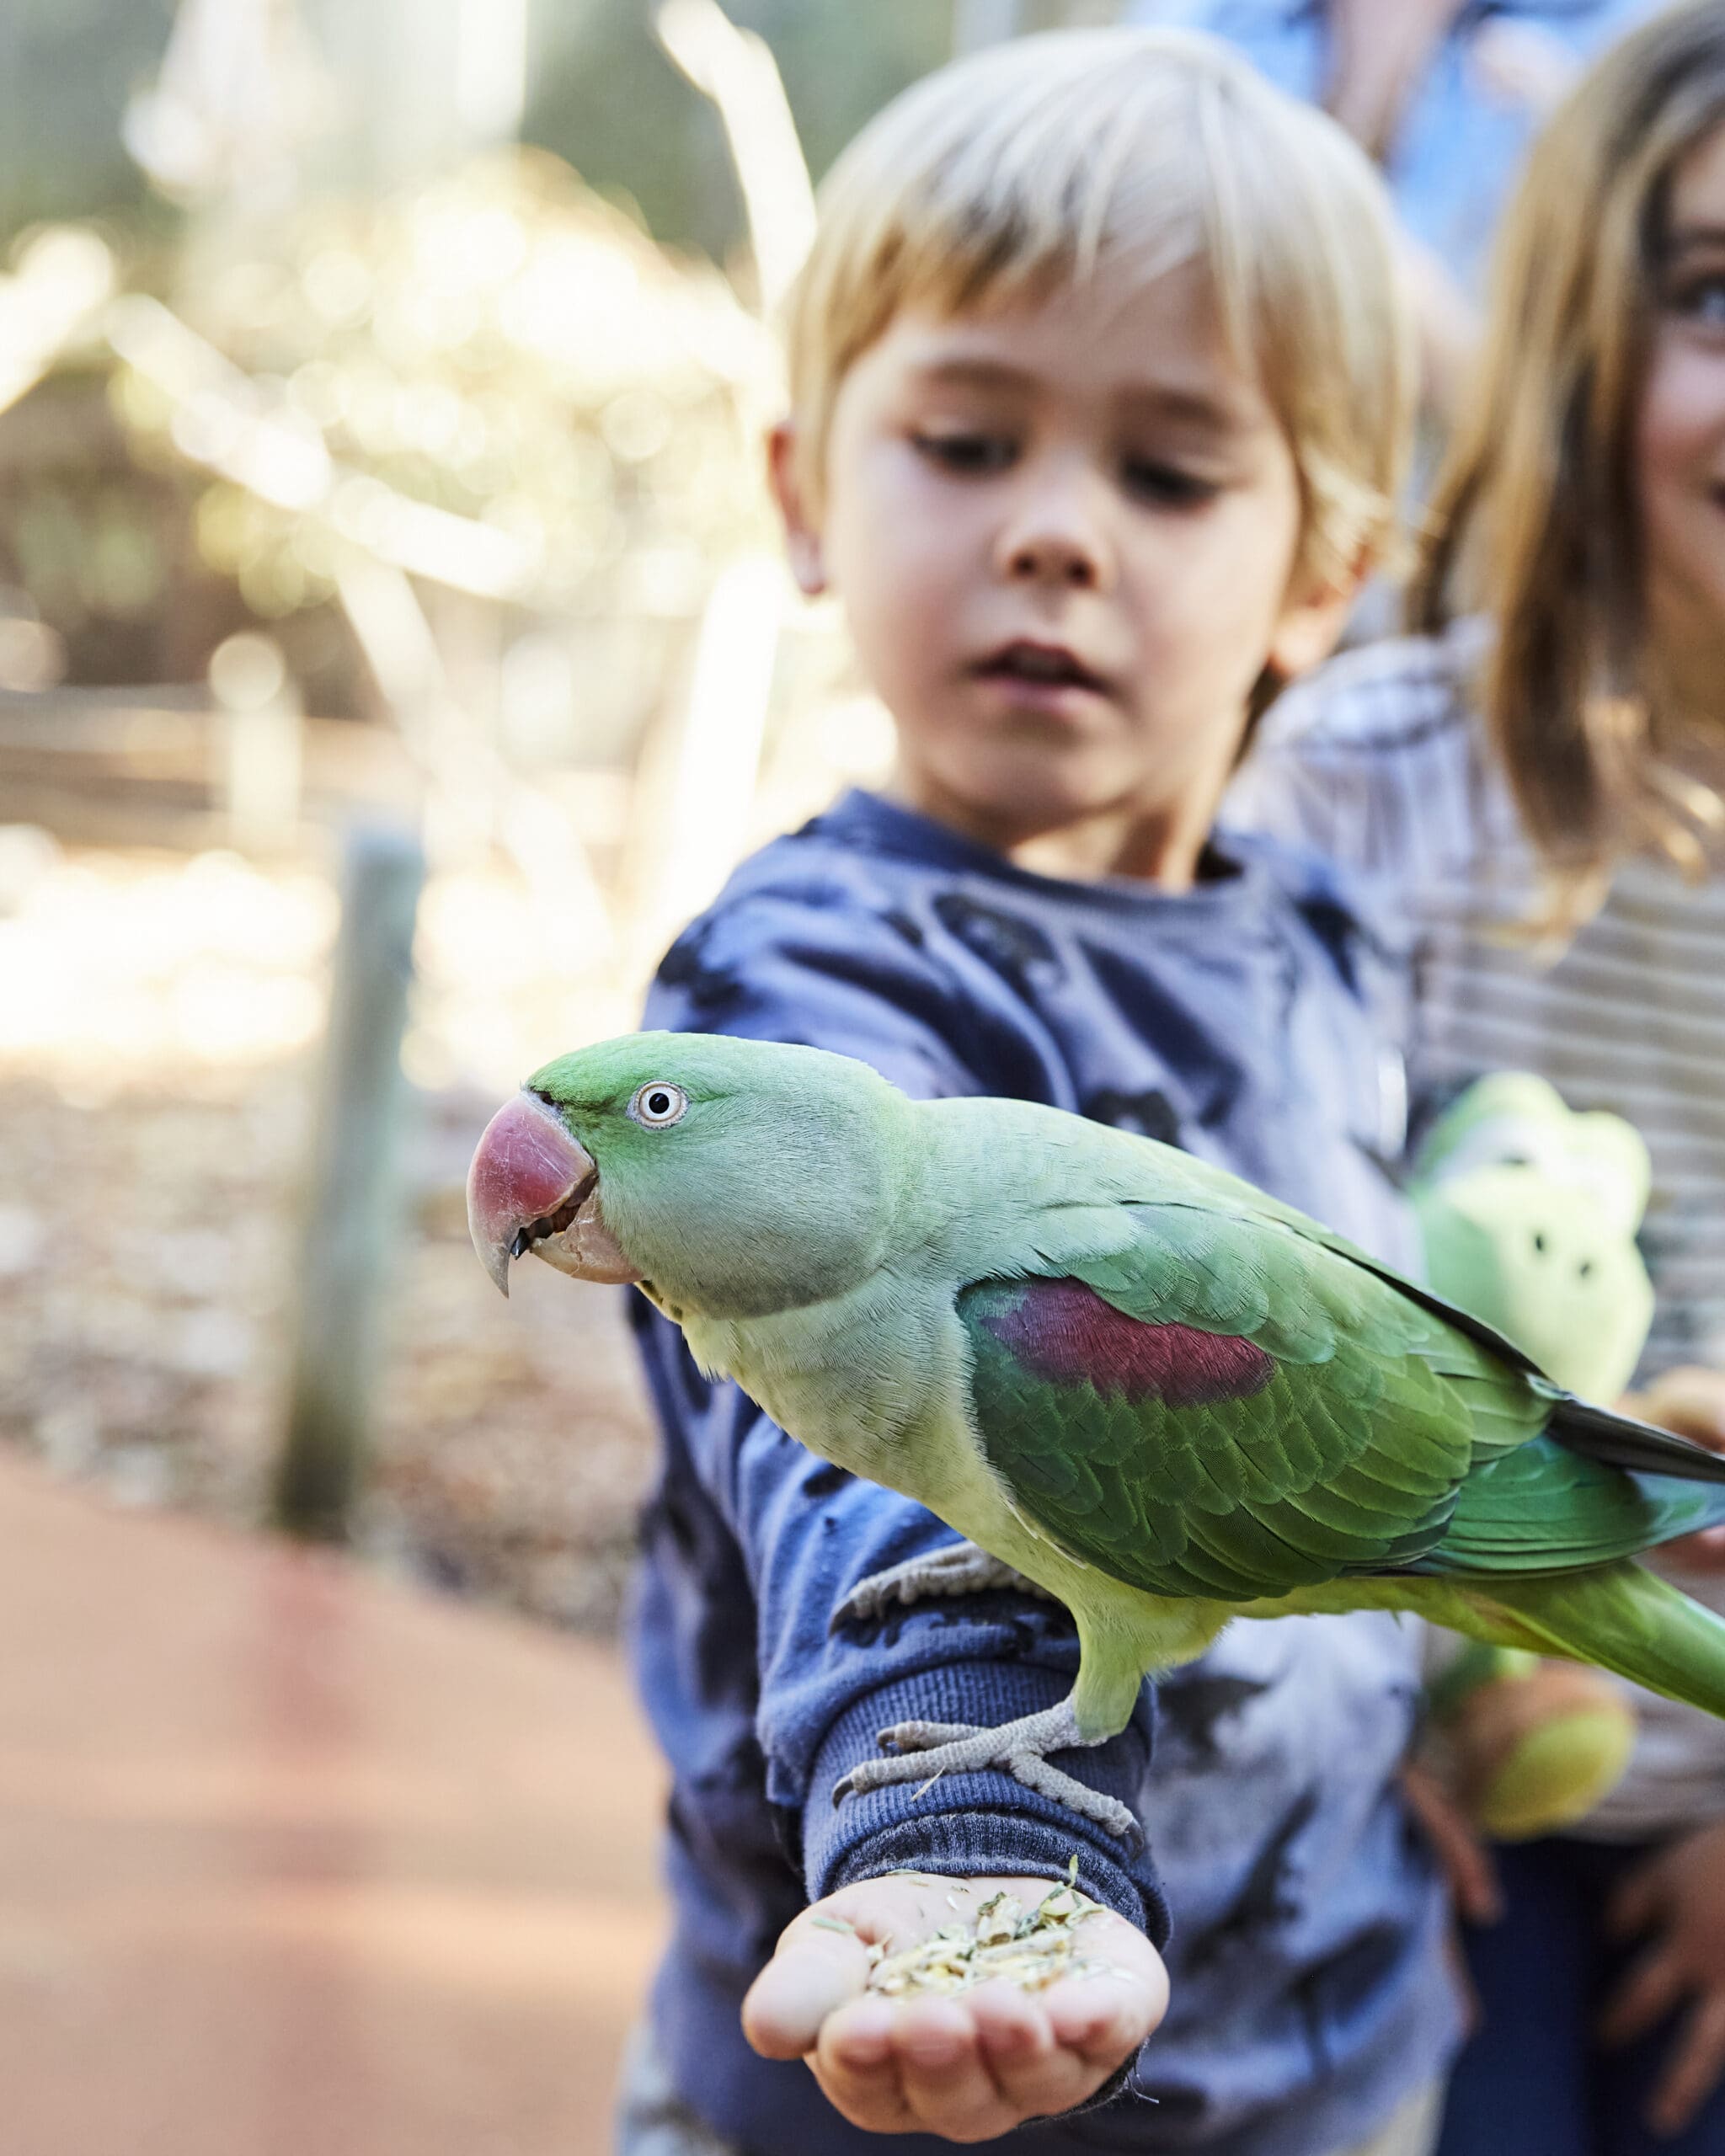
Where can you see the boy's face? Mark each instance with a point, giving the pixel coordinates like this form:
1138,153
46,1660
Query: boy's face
1064,536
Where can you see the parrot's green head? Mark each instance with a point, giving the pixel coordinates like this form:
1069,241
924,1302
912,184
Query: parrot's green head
733,1178
1529,1212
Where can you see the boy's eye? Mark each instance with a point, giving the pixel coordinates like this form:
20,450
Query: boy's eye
1149,479
967,452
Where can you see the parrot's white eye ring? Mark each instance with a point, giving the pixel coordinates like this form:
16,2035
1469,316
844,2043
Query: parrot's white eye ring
658,1104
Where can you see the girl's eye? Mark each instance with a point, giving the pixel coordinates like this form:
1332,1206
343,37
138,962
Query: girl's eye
1702,300
657,1105
1147,479
966,454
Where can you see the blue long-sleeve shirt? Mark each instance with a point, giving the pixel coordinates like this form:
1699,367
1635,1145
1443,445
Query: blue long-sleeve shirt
1244,1020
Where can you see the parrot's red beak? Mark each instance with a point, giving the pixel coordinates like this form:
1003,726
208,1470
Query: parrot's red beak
532,1187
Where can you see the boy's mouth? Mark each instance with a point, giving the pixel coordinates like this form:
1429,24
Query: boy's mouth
1049,666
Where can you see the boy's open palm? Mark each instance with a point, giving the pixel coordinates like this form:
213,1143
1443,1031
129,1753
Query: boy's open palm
970,2065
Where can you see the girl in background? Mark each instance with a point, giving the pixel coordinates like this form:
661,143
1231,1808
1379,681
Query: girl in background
1533,782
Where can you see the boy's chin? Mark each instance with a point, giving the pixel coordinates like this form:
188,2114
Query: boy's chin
1039,795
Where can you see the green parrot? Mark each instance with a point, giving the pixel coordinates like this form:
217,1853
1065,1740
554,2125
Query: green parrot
1124,1375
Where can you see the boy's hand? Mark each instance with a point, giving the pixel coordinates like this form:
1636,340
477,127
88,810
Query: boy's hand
1679,1898
1463,1857
1689,1402
970,2065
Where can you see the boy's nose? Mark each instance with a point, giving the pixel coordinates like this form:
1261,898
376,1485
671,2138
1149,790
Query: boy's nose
1052,558
1054,540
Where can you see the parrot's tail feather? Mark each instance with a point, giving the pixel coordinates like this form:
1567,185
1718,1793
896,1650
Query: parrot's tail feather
1621,1617
1619,1441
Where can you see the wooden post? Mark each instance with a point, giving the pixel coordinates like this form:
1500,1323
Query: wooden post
354,1198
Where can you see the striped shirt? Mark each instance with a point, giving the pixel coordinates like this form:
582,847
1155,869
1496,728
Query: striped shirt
1379,762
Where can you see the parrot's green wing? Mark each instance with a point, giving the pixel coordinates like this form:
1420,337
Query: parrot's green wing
1235,1404
1547,1501
1248,1256
1227,1406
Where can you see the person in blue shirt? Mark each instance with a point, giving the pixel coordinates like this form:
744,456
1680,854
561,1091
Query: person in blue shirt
1445,96
1100,381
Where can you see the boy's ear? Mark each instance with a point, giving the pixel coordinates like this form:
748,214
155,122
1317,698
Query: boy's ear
1313,617
801,534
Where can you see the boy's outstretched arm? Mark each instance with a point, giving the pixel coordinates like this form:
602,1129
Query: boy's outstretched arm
804,1533
969,2066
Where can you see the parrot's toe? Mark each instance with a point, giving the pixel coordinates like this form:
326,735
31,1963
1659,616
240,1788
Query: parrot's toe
961,1568
923,1751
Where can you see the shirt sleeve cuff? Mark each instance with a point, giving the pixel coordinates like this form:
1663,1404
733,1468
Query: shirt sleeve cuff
973,1824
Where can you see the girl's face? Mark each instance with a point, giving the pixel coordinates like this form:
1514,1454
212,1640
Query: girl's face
1680,442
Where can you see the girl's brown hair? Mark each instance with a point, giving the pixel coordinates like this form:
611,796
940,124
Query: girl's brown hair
1534,515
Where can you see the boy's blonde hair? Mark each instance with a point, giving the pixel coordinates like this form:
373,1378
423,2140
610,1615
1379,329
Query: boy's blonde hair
1536,515
1121,153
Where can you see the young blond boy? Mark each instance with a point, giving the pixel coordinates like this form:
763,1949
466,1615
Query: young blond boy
1099,387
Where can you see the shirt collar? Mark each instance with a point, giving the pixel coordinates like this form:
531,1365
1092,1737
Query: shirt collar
1296,13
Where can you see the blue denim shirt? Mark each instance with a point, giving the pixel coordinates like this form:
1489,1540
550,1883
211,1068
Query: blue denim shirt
1243,1019
1468,124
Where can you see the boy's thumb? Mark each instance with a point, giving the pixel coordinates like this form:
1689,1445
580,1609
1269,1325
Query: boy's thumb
812,1974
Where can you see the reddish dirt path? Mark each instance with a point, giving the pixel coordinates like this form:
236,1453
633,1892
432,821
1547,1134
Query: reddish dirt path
294,1862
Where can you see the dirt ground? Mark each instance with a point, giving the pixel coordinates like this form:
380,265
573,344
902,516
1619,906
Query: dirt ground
149,1244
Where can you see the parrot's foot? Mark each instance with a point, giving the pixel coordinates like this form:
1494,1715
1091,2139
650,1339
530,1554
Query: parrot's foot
922,1751
960,1569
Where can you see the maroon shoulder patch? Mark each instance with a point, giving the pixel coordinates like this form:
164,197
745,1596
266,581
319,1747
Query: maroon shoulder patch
1065,1333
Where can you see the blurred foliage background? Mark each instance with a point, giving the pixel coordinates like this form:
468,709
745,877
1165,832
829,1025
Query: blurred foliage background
599,92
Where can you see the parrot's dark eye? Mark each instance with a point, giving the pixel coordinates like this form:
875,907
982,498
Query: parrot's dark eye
657,1105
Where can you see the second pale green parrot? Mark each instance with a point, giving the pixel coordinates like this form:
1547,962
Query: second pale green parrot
1154,1393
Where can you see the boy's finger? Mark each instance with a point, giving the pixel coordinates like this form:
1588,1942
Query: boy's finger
1103,2020
941,2070
1102,2017
1692,2070
1034,2073
1462,1856
1635,1903
858,2069
1645,1996
1690,1400
1703,1552
814,1973
858,2039
1012,2030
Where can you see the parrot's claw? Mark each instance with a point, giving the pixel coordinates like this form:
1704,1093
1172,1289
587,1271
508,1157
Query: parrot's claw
923,1751
961,1568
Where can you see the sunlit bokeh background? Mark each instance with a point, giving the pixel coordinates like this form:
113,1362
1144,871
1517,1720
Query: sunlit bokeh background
381,389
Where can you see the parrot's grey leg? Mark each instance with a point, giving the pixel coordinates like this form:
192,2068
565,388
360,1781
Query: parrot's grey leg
919,1750
961,1568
